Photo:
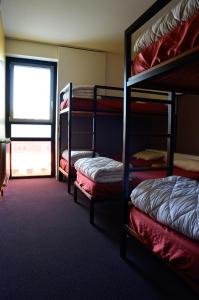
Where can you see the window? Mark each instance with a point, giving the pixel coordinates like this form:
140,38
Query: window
31,95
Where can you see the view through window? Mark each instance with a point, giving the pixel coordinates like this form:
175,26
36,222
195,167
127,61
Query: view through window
31,122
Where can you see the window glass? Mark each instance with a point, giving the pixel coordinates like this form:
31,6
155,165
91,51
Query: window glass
35,131
31,158
31,93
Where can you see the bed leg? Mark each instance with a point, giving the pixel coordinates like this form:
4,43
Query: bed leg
123,243
60,176
91,212
75,193
69,186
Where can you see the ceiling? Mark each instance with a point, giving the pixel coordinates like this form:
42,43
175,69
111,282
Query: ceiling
90,24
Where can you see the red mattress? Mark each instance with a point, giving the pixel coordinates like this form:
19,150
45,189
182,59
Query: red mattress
179,251
64,166
141,176
116,105
181,39
99,190
112,190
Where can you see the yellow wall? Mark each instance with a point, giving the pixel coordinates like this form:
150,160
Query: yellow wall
2,81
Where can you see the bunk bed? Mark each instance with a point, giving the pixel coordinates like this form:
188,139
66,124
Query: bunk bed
92,101
98,191
108,191
88,101
178,72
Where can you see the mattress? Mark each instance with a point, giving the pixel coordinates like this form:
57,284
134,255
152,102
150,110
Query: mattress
172,201
112,105
64,165
111,190
99,190
182,12
182,38
141,176
179,251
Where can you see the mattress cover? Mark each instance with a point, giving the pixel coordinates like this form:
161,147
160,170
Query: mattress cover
183,11
179,251
182,38
100,190
64,165
138,177
103,190
173,201
114,105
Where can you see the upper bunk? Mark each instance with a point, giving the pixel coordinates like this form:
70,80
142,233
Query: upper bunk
108,100
166,54
86,99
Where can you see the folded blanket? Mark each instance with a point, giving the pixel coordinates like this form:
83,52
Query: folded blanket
172,201
84,91
83,95
83,87
80,94
100,169
75,155
184,10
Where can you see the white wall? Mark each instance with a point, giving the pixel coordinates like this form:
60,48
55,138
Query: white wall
81,67
114,69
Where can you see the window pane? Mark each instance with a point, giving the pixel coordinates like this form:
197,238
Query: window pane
31,92
36,131
31,158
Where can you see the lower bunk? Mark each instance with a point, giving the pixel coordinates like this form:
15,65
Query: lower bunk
109,187
99,179
64,170
93,200
164,217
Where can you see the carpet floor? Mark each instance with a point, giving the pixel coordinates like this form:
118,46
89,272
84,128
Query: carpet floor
48,250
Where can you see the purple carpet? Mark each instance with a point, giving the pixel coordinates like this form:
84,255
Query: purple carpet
48,250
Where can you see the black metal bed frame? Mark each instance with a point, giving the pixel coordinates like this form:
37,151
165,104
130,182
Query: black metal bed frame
92,200
149,79
95,200
70,110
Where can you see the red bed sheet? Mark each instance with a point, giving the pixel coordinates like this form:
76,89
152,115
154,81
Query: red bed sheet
180,251
99,190
181,39
112,190
116,105
64,166
141,176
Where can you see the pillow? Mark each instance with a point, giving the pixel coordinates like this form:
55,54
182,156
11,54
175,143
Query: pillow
137,163
149,155
158,165
187,164
75,155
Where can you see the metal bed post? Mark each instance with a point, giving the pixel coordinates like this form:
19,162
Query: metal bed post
126,123
75,193
60,175
69,135
92,211
94,121
171,133
126,111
